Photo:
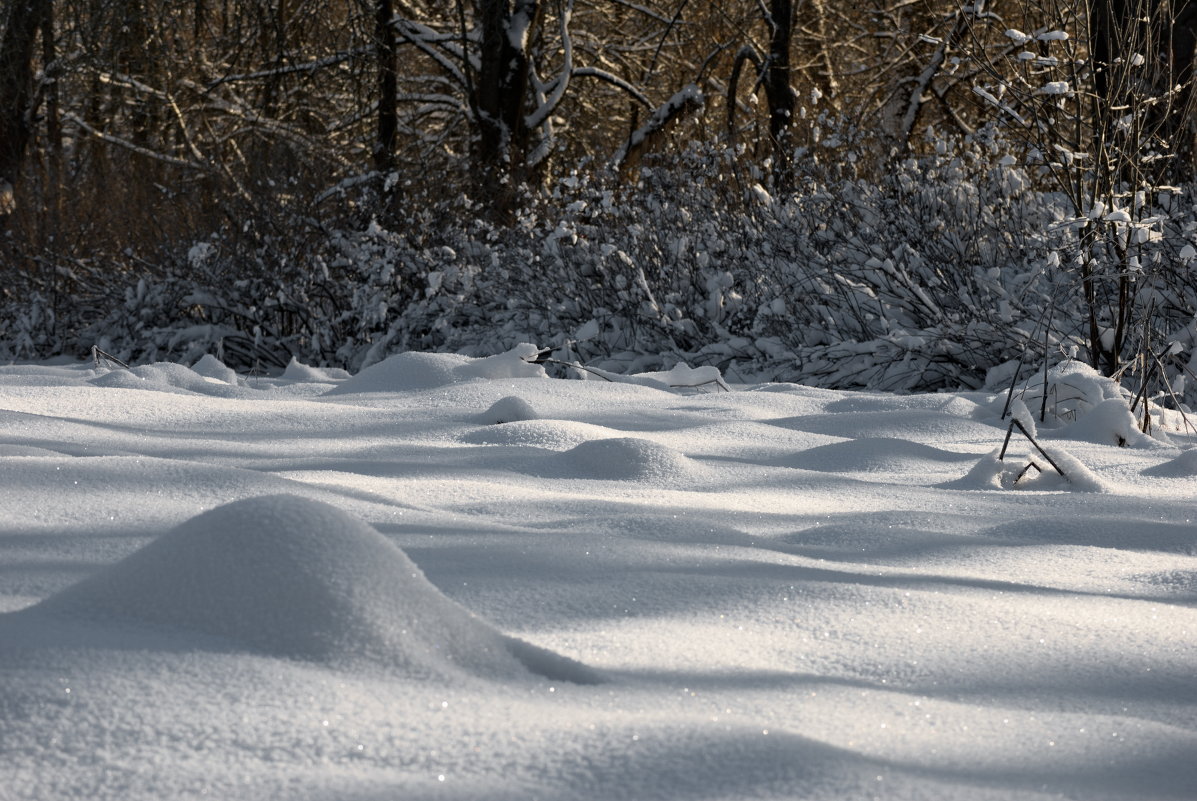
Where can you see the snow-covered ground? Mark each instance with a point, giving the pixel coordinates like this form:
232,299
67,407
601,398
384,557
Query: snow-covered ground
448,578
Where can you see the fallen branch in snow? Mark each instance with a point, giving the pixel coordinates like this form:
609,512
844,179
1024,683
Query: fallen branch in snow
97,354
719,382
1022,473
543,358
576,366
1010,430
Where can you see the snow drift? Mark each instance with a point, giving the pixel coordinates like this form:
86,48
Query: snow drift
416,371
297,578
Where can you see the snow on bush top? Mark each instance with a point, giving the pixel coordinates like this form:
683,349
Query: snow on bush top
1110,422
297,578
1073,388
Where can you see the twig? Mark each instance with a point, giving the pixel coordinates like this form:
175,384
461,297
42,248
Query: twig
1023,472
1013,383
717,381
1014,421
1168,386
574,365
97,354
1006,443
1047,328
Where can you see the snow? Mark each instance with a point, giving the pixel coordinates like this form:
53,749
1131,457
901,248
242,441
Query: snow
293,577
448,577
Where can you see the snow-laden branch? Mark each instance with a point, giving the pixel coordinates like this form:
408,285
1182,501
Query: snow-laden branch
541,114
988,96
431,43
686,100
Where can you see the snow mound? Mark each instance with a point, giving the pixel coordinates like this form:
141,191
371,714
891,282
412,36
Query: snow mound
1073,388
874,455
557,435
624,459
211,367
169,377
908,424
1109,422
299,372
954,405
1183,466
403,372
296,578
683,376
511,409
515,363
416,371
990,473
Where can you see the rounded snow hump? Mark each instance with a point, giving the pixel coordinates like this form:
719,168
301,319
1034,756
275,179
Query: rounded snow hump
410,371
296,578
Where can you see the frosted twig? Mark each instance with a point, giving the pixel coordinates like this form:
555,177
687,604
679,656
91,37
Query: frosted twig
97,354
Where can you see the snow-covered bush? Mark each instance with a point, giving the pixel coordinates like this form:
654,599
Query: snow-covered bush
926,277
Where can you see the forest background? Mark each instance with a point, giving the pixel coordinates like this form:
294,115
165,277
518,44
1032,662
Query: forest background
888,194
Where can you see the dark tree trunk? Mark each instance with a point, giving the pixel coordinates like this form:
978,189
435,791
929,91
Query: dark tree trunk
502,84
53,123
388,88
780,93
16,92
1108,26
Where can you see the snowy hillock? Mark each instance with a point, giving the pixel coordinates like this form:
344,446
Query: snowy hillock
876,455
296,578
211,378
415,371
510,409
623,459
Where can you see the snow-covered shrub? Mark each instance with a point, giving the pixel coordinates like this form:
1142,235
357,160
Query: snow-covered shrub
923,278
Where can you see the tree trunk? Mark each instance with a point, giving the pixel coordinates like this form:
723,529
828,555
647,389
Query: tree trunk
780,93
16,92
388,88
502,85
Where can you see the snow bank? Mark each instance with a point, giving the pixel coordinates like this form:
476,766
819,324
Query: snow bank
416,371
297,578
1073,388
910,424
